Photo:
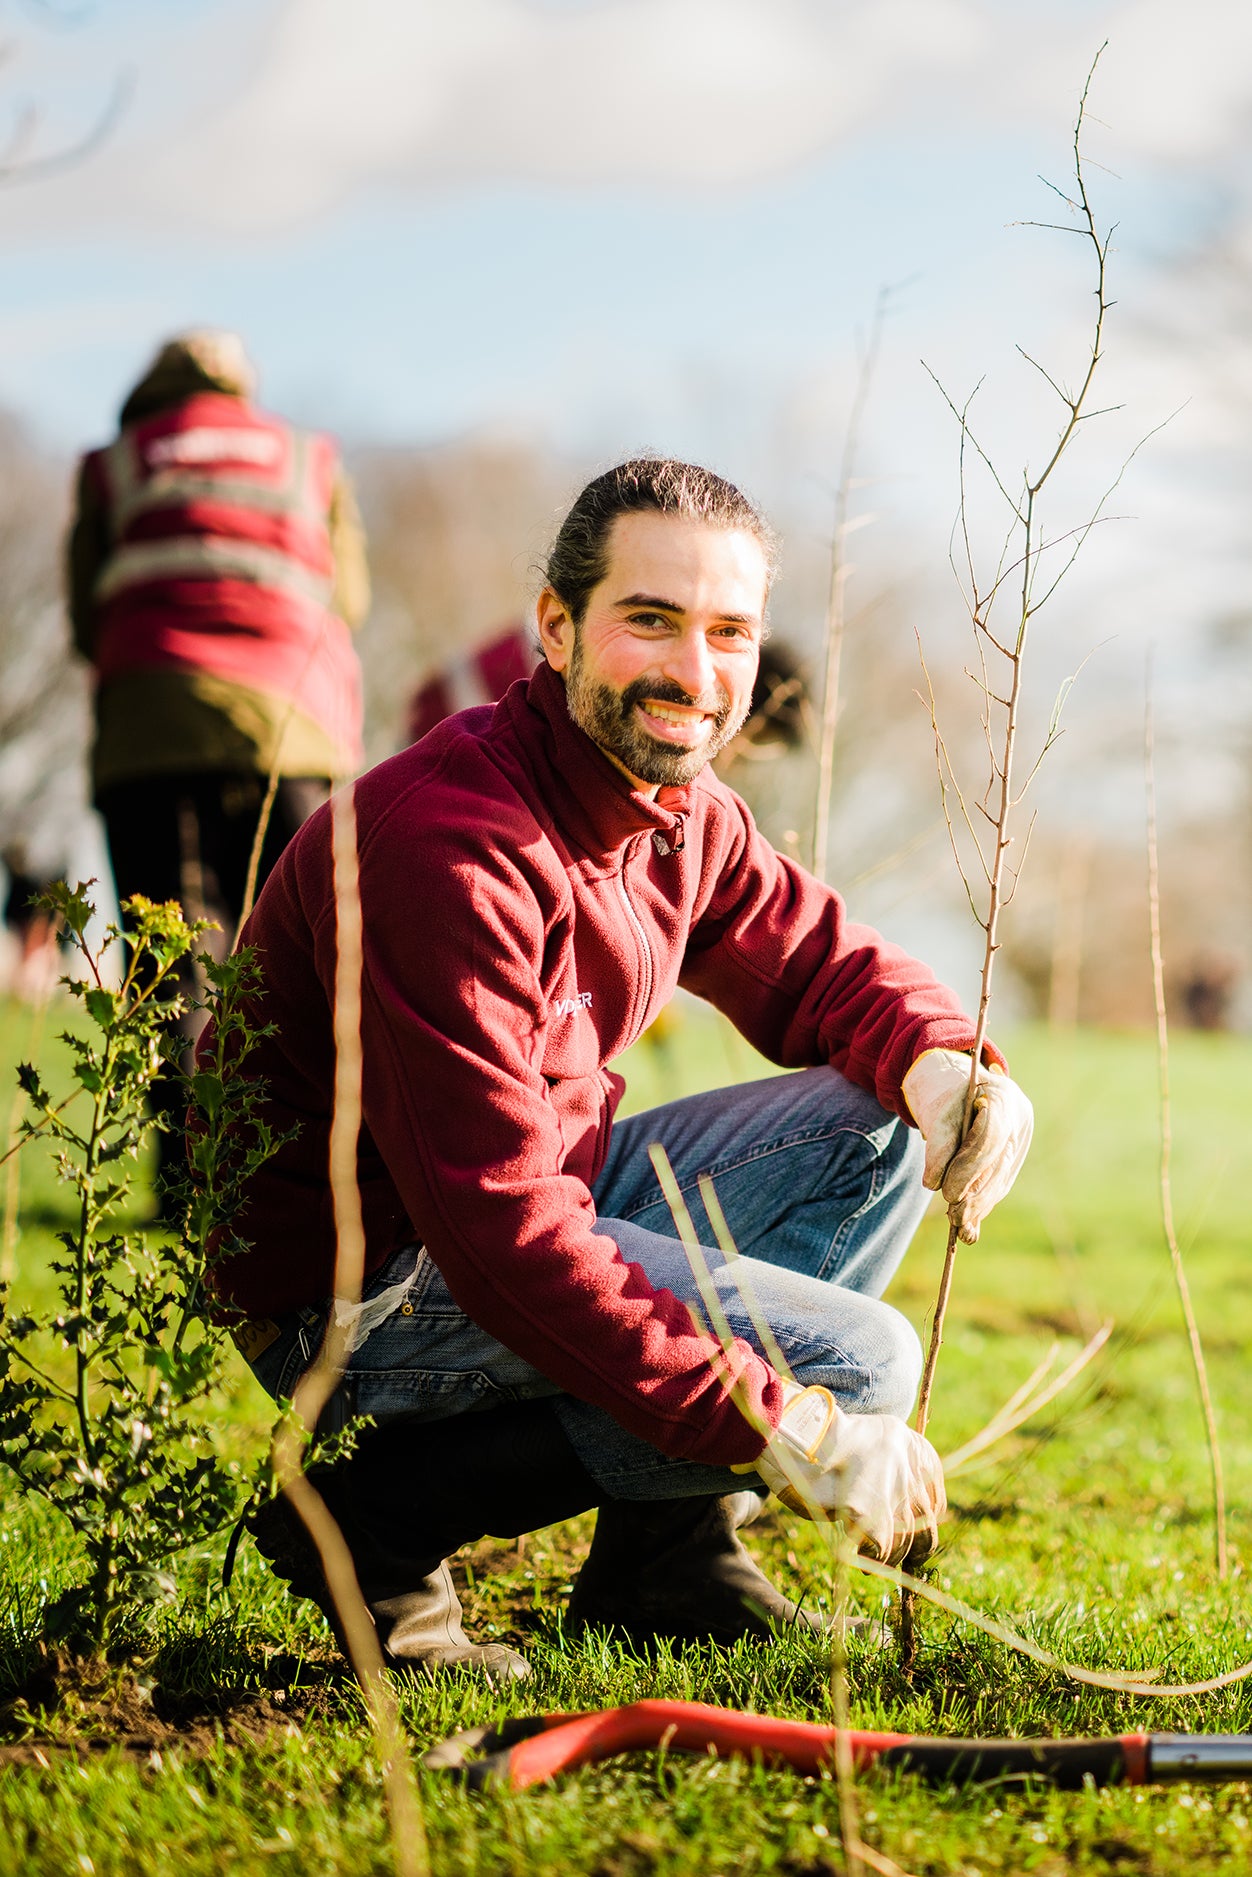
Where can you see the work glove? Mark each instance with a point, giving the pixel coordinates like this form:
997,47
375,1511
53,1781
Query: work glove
974,1172
872,1472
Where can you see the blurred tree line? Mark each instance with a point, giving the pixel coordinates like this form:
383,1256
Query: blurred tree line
457,533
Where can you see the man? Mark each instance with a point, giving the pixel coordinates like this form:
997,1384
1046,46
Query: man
536,878
216,569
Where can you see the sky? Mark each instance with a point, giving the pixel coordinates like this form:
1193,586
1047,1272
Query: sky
606,225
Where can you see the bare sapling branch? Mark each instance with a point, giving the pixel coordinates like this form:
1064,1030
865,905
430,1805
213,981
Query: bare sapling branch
1166,1173
836,607
319,1382
1001,656
1003,697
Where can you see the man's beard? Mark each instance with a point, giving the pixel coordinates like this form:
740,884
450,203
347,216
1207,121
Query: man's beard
609,719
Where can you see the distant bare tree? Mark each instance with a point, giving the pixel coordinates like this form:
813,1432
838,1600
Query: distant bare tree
1081,927
43,688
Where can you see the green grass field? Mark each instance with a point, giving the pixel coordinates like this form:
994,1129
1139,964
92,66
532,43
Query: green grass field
1091,1532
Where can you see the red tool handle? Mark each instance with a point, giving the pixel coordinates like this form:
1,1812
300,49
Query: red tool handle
531,1752
684,1727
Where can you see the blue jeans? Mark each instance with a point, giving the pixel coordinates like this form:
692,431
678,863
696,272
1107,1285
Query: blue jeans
821,1189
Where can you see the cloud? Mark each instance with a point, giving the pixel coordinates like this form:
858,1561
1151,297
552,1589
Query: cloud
253,120
683,92
659,92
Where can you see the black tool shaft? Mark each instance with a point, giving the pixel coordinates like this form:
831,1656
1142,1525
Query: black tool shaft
1064,1763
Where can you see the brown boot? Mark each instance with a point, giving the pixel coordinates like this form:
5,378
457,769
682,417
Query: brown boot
420,1628
674,1568
505,1471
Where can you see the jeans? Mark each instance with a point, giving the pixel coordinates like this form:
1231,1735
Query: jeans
821,1191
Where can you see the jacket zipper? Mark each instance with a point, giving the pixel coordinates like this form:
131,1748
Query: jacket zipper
640,934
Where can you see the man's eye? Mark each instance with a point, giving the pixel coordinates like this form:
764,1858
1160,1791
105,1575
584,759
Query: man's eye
653,620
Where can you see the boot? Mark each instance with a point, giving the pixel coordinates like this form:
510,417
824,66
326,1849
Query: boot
674,1568
409,1497
420,1628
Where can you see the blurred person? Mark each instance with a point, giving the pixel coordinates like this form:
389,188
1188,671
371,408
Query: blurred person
536,878
216,572
478,677
33,932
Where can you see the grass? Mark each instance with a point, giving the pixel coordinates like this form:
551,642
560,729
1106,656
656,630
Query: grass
1091,1532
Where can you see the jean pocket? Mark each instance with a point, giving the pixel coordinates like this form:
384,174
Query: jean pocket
428,1294
294,1351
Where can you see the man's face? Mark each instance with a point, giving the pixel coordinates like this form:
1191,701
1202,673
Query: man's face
659,672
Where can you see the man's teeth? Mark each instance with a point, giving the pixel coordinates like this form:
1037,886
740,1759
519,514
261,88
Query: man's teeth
674,716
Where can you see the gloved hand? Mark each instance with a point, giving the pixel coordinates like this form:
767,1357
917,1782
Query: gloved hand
883,1481
975,1173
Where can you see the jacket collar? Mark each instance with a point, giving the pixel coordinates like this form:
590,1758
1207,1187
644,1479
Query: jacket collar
589,799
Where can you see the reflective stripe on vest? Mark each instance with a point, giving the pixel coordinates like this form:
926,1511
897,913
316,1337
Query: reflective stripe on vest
209,557
177,483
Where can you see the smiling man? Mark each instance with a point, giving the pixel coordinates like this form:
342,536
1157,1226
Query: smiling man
537,878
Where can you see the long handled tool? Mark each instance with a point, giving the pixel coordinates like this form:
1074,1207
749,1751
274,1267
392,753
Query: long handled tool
530,1751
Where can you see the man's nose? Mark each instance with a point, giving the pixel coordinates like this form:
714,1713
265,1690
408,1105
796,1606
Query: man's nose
689,662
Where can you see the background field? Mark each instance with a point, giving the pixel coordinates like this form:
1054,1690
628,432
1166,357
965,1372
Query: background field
1091,1533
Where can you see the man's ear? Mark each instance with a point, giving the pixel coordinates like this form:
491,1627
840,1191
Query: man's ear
556,629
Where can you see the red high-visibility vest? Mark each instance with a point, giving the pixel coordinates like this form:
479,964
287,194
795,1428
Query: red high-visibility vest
221,560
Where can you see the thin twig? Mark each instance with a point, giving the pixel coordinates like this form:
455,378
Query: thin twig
719,1325
271,786
1167,1190
857,1849
258,844
317,1385
835,611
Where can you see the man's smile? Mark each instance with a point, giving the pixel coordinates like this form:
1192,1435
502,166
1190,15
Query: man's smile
676,723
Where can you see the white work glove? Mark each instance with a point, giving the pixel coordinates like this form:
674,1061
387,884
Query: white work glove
975,1172
872,1472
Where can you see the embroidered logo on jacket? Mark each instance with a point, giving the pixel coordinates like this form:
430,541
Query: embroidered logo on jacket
566,1006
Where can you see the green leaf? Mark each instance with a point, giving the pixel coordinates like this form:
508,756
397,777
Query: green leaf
102,1005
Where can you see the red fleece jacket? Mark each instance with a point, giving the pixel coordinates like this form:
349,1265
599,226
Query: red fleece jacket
526,914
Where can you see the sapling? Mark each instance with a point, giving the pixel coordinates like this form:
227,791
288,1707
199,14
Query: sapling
106,1396
1016,581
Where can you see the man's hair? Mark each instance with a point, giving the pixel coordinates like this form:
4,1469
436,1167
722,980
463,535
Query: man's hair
660,485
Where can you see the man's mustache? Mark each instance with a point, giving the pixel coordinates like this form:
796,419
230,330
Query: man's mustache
667,691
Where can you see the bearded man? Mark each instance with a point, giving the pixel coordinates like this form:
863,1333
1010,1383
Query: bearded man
537,878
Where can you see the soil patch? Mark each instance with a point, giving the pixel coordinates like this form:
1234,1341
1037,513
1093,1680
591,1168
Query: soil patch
80,1709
